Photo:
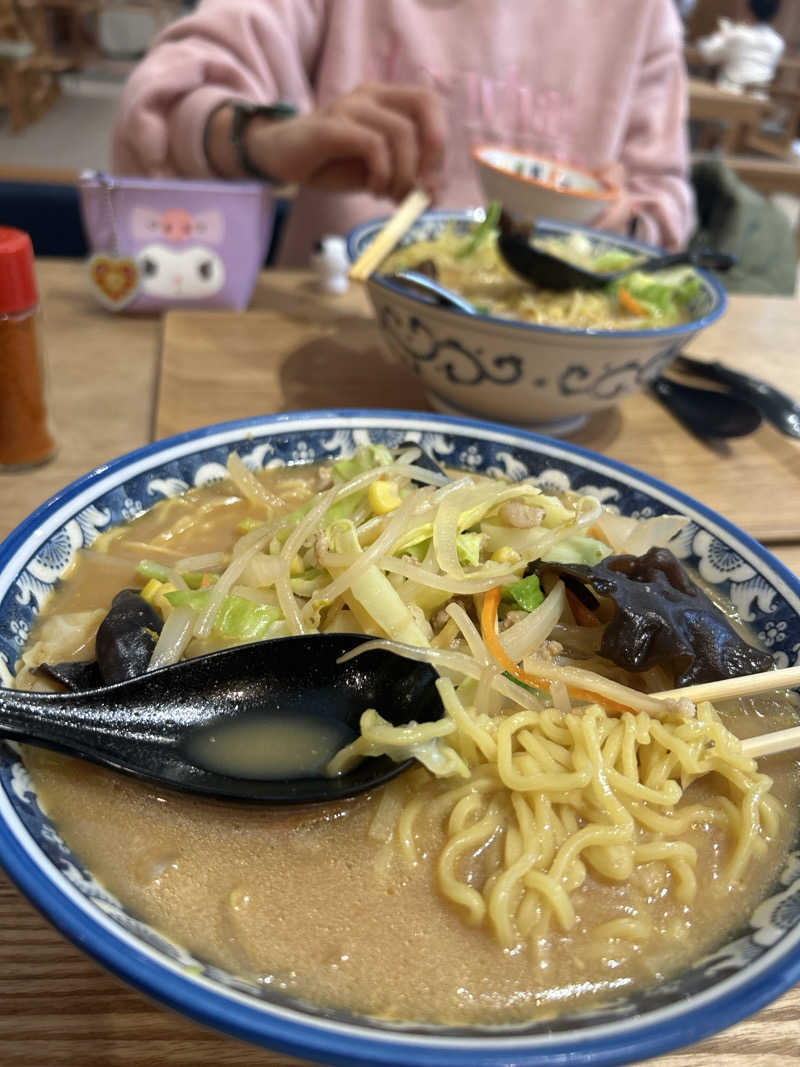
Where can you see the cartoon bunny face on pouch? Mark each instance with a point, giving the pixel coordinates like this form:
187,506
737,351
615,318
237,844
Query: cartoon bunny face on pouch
180,274
170,270
177,226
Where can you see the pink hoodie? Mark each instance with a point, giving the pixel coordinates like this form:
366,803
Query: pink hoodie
586,81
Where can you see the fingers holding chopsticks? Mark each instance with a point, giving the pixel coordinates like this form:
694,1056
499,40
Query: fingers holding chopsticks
384,139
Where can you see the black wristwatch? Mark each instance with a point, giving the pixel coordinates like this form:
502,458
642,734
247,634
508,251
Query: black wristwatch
244,111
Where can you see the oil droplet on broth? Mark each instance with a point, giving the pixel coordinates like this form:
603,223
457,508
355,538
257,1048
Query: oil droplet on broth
152,868
269,746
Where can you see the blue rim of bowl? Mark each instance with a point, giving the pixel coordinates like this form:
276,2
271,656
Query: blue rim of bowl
288,1029
666,332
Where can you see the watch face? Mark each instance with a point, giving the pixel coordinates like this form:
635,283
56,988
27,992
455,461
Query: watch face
280,109
243,112
283,109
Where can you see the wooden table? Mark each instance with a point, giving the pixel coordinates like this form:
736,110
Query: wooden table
737,110
113,388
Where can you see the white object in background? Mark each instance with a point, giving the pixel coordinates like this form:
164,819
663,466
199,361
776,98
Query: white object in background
748,55
16,49
331,263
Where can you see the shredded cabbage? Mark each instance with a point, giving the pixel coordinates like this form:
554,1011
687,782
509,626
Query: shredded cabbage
408,556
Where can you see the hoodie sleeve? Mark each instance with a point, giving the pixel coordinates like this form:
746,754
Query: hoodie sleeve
655,149
258,50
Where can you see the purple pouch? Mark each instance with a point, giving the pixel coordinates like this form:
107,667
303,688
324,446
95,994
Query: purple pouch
168,243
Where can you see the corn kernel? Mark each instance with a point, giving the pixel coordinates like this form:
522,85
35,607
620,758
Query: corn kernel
160,602
506,554
384,497
150,590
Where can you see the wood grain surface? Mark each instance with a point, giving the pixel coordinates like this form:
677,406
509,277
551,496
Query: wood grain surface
217,365
58,1008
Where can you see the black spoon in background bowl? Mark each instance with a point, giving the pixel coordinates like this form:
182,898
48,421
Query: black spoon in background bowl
549,271
188,725
538,266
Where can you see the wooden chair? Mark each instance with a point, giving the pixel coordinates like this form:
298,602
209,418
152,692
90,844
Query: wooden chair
28,66
30,62
777,132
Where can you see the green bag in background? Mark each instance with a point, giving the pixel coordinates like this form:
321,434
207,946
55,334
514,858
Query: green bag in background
733,217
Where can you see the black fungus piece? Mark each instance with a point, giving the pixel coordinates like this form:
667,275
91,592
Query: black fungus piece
126,637
77,676
662,619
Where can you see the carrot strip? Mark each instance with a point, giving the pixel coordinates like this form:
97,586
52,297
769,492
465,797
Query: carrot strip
598,535
491,604
631,304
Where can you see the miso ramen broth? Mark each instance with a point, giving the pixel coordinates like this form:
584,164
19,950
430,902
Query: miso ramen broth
317,902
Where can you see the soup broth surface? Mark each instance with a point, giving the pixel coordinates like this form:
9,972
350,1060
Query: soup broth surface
484,279
305,901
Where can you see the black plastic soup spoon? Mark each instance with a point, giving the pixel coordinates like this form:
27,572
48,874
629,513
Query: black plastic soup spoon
188,725
550,271
707,412
775,405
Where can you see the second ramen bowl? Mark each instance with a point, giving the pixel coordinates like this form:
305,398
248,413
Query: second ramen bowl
544,378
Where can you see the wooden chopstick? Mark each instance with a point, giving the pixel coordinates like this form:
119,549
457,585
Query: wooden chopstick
378,249
772,743
731,688
748,685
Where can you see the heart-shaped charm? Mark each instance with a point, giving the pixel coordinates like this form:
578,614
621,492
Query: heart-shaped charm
113,279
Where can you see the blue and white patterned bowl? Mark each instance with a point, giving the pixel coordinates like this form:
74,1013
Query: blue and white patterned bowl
546,378
759,963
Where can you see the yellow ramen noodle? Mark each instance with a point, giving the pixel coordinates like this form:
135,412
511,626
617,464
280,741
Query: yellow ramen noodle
577,791
481,276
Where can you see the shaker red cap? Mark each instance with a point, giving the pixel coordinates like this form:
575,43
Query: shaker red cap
18,291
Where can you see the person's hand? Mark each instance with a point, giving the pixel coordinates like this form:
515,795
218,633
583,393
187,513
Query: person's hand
384,139
619,215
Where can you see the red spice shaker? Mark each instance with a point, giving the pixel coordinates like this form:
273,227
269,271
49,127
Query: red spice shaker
25,437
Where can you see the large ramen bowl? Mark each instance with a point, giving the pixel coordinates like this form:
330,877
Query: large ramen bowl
547,378
759,961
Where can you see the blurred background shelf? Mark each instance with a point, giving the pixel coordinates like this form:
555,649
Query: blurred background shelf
50,45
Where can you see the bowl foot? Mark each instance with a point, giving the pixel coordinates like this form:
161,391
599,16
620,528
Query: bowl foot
553,427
